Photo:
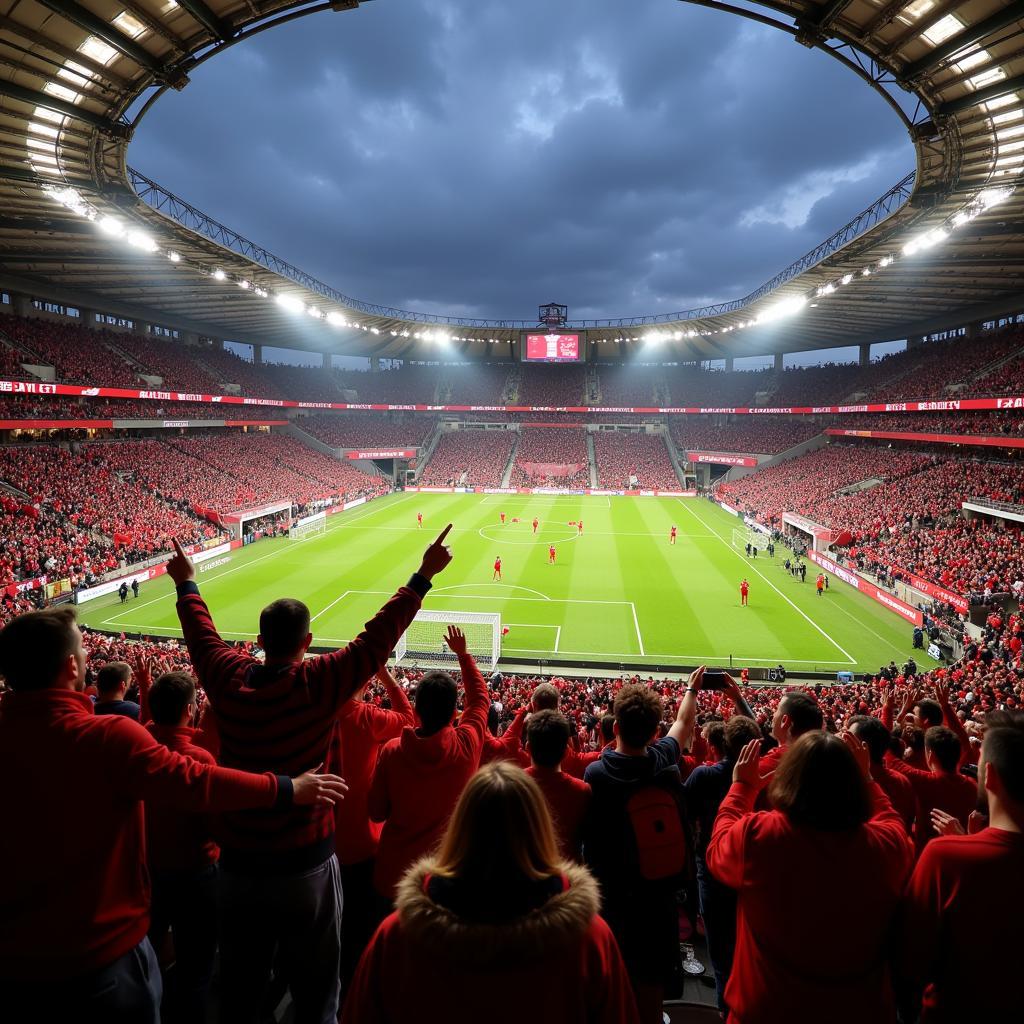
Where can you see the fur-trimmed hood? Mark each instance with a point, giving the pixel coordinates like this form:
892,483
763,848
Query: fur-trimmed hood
562,919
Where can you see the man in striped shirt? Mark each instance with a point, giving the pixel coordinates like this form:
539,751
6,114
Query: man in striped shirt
280,881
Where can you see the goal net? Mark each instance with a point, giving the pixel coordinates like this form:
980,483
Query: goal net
741,538
308,527
423,642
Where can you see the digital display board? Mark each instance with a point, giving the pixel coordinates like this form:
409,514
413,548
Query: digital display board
552,348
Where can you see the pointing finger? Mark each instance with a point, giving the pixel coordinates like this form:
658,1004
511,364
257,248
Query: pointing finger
444,533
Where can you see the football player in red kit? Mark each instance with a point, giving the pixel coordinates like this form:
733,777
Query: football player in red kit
419,520
497,569
551,554
744,590
536,523
672,535
502,518
579,528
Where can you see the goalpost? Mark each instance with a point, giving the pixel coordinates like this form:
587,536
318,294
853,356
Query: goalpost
423,642
301,529
741,538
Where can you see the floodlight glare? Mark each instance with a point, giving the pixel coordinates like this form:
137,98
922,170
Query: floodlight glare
174,257
336,320
219,275
290,303
111,226
140,240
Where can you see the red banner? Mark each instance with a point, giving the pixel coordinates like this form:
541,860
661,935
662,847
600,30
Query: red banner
383,453
23,387
966,439
883,597
959,602
721,460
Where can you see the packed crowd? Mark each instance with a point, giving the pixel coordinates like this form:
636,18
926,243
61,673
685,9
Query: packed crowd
496,830
551,384
555,455
84,514
468,458
761,435
626,460
369,430
801,485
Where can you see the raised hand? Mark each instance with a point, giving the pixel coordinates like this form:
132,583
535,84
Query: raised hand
945,824
860,753
436,557
180,567
313,788
696,677
747,767
456,640
942,694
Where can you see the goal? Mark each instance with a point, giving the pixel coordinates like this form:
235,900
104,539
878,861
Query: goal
741,538
309,527
423,642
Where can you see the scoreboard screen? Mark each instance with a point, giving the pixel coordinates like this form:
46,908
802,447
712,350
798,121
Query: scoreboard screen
552,348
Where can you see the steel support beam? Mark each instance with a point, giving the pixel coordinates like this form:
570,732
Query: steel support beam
972,99
217,27
971,34
43,99
105,30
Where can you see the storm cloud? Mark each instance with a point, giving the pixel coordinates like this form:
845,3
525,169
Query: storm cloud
477,157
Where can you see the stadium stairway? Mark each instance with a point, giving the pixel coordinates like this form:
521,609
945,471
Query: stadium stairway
506,476
673,457
591,459
295,430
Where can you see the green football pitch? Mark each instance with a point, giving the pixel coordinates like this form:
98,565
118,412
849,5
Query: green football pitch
618,594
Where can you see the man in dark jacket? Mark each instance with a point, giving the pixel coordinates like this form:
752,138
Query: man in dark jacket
639,906
280,881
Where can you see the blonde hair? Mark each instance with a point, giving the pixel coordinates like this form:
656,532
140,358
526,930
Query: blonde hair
500,826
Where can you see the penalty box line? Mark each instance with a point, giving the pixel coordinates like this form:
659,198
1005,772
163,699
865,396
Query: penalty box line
750,566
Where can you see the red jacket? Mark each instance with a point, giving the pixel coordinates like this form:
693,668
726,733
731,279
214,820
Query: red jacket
509,746
362,728
558,964
74,891
281,718
419,779
948,791
898,789
787,965
179,840
959,938
568,801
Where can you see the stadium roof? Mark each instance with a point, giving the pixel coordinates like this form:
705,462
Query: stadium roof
945,246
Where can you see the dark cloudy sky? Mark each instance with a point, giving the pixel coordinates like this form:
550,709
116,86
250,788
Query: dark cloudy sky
482,156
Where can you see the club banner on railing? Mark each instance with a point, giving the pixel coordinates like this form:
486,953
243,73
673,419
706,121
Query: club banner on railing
383,453
45,388
548,469
958,601
721,459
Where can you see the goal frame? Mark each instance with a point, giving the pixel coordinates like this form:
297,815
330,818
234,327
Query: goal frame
311,526
430,651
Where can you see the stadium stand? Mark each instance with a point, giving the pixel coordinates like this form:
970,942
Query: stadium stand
368,430
627,460
464,458
551,385
767,435
547,454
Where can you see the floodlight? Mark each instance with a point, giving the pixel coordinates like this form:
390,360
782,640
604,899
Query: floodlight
112,226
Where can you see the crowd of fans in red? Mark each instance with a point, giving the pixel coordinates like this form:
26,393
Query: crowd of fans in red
763,435
477,852
369,430
626,460
468,458
560,449
912,521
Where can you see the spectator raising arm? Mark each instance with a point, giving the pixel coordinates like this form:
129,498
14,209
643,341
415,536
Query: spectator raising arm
686,716
335,676
474,715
